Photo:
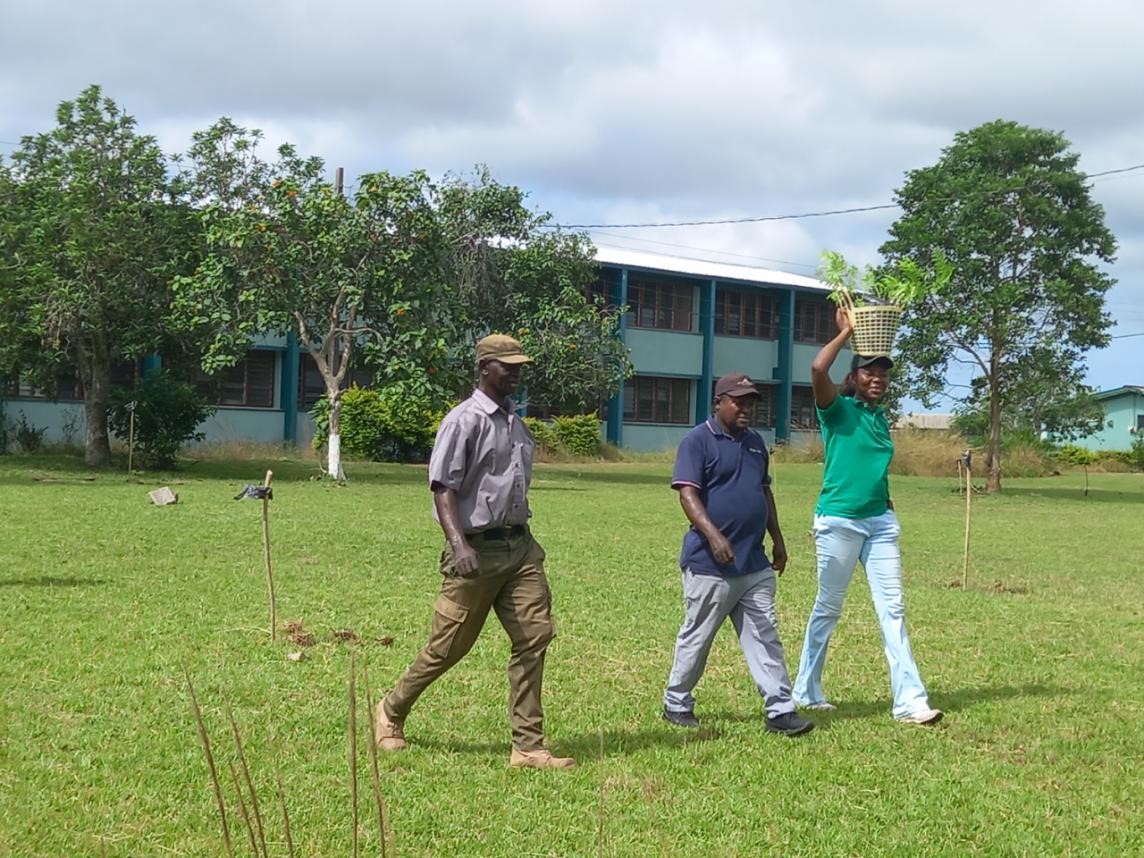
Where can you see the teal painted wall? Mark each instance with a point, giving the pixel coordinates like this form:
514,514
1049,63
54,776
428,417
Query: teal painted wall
269,341
63,420
243,424
652,437
665,353
757,358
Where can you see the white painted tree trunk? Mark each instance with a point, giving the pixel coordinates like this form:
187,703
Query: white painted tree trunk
334,463
334,440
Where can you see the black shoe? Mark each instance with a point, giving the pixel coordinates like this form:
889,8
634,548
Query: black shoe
789,724
681,719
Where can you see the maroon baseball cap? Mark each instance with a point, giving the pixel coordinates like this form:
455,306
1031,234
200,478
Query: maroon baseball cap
735,384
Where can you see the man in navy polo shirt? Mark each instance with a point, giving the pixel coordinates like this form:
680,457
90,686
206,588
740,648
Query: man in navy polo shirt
724,487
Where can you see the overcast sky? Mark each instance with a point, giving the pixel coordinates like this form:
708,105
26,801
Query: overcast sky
628,110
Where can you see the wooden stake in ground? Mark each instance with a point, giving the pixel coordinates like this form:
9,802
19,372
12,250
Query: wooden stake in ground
967,462
353,756
266,555
130,436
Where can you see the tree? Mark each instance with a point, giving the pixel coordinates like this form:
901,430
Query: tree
90,239
1008,207
287,253
1045,400
511,273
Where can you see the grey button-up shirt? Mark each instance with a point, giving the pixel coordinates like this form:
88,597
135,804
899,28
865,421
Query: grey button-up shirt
484,454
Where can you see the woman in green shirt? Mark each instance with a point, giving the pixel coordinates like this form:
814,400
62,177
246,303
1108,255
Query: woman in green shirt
855,520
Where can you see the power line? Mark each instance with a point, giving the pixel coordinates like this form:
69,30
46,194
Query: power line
721,221
799,216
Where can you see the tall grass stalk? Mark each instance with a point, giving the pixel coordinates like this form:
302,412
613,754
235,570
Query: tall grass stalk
376,776
243,812
282,806
600,800
353,755
205,741
246,777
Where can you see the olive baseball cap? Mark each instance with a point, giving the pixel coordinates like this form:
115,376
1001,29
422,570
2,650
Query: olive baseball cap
735,384
501,347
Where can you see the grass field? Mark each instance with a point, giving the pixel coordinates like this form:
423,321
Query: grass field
1039,665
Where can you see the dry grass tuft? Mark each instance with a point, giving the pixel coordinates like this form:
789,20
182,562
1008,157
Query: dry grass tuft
802,453
249,451
928,453
296,633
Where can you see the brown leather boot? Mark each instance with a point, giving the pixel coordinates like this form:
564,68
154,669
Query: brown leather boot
390,734
540,759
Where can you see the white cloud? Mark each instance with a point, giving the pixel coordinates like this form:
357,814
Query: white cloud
627,111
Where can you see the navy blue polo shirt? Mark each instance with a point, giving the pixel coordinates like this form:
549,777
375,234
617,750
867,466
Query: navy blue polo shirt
730,474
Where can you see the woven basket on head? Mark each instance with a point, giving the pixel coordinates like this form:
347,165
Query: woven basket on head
875,327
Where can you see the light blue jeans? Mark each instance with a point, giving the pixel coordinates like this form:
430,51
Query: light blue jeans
841,543
749,600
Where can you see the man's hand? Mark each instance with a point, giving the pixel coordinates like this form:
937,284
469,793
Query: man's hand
778,556
465,563
721,548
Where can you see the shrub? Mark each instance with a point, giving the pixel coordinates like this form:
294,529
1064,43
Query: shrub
382,424
546,441
167,415
29,437
1136,452
580,435
1075,456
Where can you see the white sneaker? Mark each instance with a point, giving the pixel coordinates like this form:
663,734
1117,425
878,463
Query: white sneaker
824,706
923,717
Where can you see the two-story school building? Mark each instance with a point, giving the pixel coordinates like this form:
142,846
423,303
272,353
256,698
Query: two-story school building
691,321
688,322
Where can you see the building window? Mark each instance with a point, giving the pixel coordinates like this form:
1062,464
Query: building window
68,387
743,313
814,320
764,410
247,384
605,289
1140,422
648,399
660,304
311,387
803,415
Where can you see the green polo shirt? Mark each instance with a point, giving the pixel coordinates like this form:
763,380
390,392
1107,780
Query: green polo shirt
855,479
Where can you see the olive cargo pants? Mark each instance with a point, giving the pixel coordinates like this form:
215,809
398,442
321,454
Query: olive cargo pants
510,581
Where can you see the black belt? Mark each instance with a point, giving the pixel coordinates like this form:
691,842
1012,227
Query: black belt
511,532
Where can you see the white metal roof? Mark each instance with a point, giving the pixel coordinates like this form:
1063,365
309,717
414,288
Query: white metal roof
704,268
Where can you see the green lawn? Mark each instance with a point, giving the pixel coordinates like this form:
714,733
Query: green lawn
104,597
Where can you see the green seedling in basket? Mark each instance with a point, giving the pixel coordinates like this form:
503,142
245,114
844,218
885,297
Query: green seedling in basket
905,284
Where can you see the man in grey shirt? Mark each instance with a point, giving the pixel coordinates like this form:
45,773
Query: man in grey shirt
479,473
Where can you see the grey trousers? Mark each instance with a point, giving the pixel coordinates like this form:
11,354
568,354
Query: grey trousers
750,602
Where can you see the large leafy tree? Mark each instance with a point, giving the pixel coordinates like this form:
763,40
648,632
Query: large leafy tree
1046,400
91,238
511,273
287,253
1008,207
